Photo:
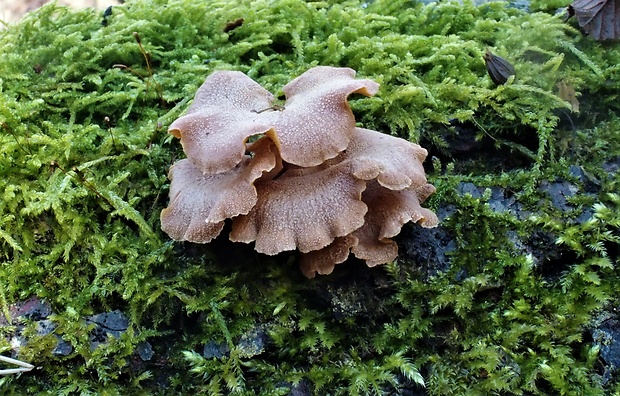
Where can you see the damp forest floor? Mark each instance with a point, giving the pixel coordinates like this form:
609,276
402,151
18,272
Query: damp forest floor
515,293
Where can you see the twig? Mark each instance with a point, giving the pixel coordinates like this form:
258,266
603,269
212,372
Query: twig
147,58
23,366
10,130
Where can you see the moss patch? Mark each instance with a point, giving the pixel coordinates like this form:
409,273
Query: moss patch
83,164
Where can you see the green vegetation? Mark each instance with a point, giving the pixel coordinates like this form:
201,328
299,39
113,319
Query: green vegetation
83,164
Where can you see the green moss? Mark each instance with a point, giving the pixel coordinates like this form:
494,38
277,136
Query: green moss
84,234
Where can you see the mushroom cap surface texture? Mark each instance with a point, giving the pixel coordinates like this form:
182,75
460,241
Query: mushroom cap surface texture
299,177
314,124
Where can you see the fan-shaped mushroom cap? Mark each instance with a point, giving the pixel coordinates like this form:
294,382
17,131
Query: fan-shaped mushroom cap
323,261
306,212
222,117
388,211
394,162
316,123
200,203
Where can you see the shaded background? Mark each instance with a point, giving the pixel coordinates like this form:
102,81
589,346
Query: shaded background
12,10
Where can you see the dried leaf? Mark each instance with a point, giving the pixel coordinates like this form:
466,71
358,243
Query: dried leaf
598,18
567,93
232,25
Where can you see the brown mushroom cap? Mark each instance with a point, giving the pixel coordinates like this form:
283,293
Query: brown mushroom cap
323,261
222,117
388,211
306,212
394,162
316,123
200,203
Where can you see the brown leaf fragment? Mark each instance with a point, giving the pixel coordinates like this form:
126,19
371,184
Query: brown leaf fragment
232,25
568,94
598,18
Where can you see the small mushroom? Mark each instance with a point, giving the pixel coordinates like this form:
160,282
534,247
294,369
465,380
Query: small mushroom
200,203
388,211
305,212
567,93
317,110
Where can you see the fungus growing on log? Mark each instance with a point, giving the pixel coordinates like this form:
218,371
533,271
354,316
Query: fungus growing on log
310,180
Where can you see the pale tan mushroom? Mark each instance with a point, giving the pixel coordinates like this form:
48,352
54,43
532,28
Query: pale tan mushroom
304,212
223,116
388,211
311,181
200,203
230,107
317,122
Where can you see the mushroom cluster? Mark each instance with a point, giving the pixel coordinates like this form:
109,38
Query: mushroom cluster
299,176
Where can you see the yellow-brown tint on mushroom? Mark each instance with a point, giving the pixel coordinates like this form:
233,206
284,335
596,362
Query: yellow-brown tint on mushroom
304,212
317,122
200,203
223,116
323,261
388,211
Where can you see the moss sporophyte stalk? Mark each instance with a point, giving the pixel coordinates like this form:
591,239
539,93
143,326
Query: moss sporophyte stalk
511,293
